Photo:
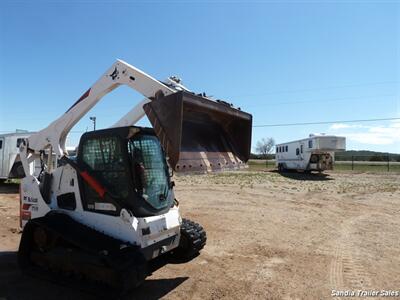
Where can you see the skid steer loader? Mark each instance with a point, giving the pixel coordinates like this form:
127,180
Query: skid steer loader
105,214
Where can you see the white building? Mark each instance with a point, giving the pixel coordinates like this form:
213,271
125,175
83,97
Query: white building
315,153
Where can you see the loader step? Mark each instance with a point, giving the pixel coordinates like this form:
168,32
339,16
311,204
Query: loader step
79,234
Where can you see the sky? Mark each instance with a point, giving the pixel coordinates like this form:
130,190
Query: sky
283,62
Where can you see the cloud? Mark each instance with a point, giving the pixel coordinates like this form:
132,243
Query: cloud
372,135
396,123
337,126
369,138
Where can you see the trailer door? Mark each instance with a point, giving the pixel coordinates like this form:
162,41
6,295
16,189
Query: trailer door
301,152
2,146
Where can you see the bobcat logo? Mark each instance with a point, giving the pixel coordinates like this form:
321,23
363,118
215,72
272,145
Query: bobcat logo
114,74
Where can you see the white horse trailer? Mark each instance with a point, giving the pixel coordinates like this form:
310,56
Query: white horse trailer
10,162
316,153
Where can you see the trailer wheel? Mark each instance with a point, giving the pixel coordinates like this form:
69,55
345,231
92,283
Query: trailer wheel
314,158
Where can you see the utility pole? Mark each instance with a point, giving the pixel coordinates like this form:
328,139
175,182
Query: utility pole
93,119
352,162
388,162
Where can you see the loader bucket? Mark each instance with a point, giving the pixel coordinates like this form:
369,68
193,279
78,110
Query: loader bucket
200,135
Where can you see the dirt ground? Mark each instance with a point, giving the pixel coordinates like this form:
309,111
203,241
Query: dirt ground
270,236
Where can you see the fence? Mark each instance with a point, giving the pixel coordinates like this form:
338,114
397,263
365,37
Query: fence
362,163
373,163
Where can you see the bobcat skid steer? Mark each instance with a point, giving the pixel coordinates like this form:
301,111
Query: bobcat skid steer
106,213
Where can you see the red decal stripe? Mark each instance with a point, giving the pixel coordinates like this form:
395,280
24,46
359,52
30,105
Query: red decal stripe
80,99
26,206
26,215
93,183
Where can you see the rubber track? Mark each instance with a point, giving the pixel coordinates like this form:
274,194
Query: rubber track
89,241
195,236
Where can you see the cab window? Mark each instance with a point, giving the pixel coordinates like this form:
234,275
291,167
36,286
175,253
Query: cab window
150,169
105,159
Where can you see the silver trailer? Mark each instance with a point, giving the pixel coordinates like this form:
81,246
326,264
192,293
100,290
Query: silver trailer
315,153
10,162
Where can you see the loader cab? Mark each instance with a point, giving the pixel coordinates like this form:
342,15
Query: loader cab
130,165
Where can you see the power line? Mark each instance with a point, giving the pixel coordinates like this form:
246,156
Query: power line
281,125
318,89
325,122
320,100
290,92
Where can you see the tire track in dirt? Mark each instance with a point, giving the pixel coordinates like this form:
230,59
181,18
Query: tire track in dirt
346,269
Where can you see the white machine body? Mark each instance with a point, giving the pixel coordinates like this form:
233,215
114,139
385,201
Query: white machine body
124,227
52,139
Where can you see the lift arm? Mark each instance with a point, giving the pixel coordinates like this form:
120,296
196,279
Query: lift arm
120,73
137,112
197,133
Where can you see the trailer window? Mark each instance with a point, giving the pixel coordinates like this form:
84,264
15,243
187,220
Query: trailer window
1,144
297,151
310,144
19,141
287,149
301,148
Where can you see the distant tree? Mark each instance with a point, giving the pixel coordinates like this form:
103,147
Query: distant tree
265,146
376,157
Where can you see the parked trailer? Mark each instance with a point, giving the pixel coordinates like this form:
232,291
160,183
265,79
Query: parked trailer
10,163
315,153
